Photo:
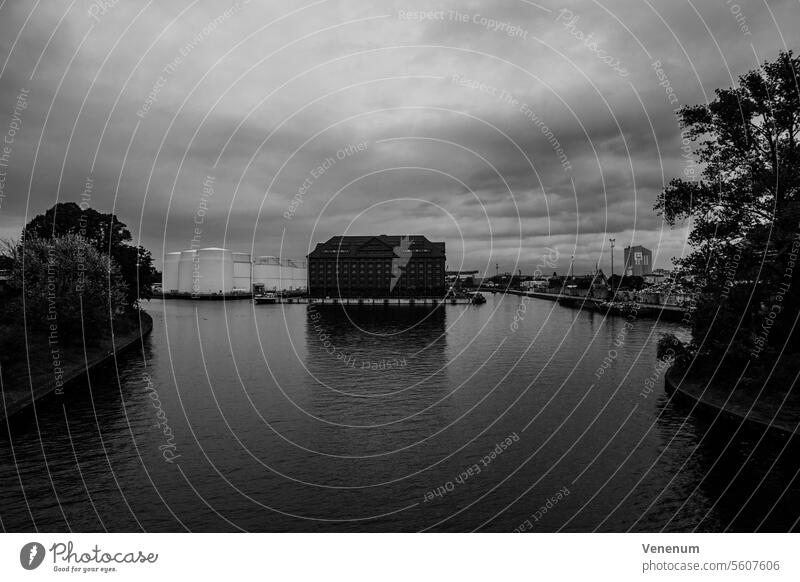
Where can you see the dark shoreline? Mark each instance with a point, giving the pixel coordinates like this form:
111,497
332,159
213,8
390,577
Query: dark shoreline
644,310
740,407
14,401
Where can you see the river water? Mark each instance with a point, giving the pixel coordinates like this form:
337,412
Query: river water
233,416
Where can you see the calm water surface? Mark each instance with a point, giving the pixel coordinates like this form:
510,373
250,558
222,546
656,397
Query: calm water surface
290,418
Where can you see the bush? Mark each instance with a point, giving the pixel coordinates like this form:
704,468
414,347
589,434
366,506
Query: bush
671,348
64,284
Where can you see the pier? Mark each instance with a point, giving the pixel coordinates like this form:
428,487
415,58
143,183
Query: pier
206,296
390,301
649,310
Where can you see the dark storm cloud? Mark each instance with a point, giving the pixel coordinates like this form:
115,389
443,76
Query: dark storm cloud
494,115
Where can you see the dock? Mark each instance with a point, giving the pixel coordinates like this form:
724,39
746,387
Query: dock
648,310
204,296
391,301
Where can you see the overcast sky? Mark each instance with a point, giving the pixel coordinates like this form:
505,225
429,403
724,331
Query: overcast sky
309,119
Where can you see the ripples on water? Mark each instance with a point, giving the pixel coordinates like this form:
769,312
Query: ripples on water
293,418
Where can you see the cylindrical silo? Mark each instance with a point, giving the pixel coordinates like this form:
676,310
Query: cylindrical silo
242,272
290,274
300,276
216,271
267,272
185,271
169,283
287,273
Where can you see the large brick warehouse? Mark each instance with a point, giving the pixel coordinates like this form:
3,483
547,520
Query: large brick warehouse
377,266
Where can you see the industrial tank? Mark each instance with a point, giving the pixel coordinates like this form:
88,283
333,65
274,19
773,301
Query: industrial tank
301,276
294,275
267,272
216,271
242,271
185,271
171,272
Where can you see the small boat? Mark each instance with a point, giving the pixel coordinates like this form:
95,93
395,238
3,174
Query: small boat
477,298
266,298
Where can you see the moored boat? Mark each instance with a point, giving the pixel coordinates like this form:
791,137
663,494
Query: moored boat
266,298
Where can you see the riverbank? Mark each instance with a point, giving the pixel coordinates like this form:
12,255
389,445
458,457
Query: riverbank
648,310
776,410
26,382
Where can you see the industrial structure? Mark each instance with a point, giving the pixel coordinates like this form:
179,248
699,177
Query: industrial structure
377,266
638,261
220,272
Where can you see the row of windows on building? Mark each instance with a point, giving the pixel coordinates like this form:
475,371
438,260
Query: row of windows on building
378,269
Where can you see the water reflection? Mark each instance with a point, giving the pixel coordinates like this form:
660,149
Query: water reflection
276,432
747,475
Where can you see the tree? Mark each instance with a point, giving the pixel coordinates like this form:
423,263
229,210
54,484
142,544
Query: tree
64,286
745,213
107,235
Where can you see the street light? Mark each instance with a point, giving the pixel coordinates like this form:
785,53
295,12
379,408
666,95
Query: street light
612,240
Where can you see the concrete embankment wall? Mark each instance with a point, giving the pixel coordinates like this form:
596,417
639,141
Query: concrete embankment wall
777,415
14,401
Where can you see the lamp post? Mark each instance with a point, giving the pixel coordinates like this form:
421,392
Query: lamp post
612,240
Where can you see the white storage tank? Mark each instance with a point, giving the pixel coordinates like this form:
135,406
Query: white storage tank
172,262
242,272
300,274
185,271
216,271
289,273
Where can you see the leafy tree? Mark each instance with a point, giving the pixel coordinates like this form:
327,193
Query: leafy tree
107,235
745,213
64,285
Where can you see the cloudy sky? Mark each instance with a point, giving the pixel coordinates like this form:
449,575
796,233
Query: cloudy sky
502,128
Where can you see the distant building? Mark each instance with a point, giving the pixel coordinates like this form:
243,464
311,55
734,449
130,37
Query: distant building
215,271
638,261
535,284
657,276
377,266
460,278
